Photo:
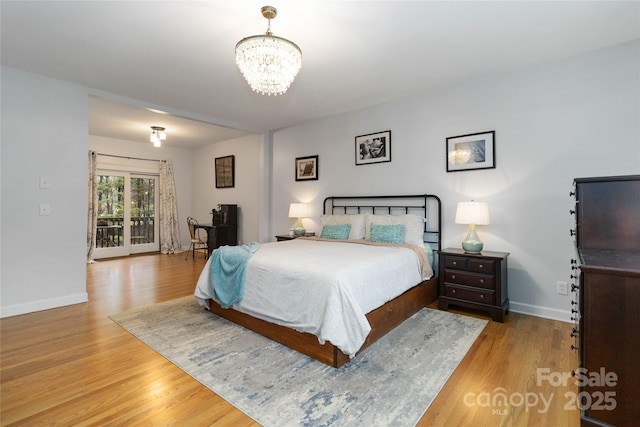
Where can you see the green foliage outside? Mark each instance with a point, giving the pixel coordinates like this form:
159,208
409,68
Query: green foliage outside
111,197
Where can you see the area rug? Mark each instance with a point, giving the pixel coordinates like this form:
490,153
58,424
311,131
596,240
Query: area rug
391,383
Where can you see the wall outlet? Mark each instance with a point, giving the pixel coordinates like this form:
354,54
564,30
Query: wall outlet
562,288
45,209
45,182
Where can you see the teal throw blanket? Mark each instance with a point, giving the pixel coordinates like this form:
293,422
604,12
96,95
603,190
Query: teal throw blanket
229,270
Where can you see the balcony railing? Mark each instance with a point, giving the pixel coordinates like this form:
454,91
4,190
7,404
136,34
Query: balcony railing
110,231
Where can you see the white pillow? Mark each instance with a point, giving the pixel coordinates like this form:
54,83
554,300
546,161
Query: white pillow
357,224
413,226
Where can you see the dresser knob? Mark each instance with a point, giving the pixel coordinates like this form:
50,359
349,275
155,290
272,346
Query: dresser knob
572,193
453,276
573,277
574,288
572,212
572,232
573,303
481,266
481,296
481,280
455,263
573,261
574,332
573,347
453,291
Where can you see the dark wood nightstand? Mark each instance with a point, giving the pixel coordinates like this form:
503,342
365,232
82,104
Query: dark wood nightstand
477,281
283,237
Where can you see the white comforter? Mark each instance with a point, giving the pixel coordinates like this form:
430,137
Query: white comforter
324,288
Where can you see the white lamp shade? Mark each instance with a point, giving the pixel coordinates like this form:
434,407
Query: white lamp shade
297,210
472,213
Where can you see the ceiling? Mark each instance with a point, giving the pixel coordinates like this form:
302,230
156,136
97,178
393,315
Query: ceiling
178,56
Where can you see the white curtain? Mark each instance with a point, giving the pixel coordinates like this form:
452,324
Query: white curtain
92,218
169,231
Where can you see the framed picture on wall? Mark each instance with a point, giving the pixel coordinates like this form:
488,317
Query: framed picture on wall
307,168
373,148
473,151
225,171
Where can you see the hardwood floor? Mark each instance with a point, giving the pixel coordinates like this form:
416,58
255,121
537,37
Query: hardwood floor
74,366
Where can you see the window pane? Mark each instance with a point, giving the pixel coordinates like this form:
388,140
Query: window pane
142,210
110,211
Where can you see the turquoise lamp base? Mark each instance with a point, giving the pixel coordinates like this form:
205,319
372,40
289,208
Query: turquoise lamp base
472,247
472,244
299,230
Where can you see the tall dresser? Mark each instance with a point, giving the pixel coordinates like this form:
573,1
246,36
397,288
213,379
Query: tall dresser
607,303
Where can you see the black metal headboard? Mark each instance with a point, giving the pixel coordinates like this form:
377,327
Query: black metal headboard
426,205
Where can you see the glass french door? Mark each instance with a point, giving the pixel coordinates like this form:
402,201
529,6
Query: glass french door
127,214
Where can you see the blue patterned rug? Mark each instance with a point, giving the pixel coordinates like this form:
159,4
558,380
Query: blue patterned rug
392,383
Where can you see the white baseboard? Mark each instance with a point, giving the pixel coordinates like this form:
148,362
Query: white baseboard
535,310
45,304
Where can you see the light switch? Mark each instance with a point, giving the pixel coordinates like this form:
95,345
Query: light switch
45,182
45,209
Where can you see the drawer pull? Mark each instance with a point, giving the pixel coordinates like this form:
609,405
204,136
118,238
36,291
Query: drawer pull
481,265
455,263
481,280
481,296
453,276
453,291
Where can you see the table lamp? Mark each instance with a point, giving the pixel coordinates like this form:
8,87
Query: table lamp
298,210
472,213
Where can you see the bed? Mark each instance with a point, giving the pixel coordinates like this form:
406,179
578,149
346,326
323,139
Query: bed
371,286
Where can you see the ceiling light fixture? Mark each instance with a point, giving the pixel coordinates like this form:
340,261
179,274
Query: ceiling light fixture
157,135
268,63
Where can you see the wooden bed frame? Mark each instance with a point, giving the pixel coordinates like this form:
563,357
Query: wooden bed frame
382,319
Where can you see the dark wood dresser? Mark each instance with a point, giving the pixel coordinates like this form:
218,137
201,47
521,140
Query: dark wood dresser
607,312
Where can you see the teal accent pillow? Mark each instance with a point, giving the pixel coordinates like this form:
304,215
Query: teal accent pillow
387,233
338,231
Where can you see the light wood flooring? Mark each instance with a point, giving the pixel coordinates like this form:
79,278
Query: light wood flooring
73,366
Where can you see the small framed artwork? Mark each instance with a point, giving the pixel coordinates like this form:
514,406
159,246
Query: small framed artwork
307,168
373,148
473,151
225,172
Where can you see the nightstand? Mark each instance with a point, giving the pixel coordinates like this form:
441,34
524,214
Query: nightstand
477,281
283,237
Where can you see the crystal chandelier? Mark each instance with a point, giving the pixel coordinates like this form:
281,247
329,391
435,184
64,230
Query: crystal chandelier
268,63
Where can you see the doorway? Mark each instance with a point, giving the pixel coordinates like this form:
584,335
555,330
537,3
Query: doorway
127,213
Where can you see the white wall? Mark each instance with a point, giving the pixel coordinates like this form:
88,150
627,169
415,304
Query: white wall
572,118
246,193
44,133
576,117
181,160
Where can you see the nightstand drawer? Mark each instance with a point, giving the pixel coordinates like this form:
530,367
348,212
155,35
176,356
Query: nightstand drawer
456,263
482,266
469,294
469,279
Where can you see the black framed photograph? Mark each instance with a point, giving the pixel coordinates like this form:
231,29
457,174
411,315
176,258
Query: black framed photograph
225,171
307,168
470,152
373,148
